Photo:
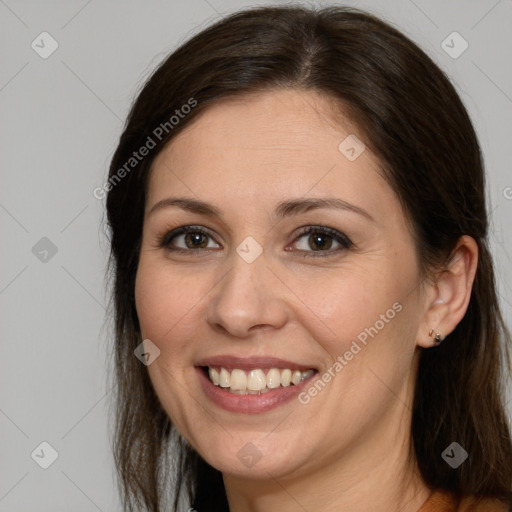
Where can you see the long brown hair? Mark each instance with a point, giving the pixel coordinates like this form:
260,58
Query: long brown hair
413,119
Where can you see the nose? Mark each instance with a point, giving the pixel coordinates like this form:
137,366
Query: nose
248,298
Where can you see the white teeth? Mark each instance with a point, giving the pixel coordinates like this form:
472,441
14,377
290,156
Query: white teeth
224,378
296,377
286,377
255,382
238,380
273,378
214,376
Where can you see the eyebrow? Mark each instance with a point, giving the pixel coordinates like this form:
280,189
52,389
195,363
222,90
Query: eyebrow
283,209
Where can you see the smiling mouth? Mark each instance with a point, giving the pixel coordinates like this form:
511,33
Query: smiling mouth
256,381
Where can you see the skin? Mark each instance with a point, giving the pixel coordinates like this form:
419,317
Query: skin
349,447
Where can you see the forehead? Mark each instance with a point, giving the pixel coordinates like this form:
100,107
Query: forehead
269,144
290,121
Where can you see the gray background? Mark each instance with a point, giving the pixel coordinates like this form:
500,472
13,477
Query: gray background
60,121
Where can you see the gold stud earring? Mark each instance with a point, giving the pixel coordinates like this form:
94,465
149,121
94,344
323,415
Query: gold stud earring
437,336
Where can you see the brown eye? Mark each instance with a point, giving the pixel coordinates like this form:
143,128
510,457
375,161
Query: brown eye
196,240
188,238
321,240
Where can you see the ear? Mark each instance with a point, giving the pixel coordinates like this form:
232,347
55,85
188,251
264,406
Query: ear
447,296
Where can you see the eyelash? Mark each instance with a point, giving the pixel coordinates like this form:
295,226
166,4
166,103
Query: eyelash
343,240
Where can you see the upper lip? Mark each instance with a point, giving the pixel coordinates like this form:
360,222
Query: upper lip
251,363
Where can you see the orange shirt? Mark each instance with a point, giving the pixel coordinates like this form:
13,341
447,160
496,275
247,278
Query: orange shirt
442,501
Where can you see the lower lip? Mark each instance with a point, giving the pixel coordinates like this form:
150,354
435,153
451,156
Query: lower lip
250,404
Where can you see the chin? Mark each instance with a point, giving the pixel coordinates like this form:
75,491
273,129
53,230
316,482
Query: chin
253,455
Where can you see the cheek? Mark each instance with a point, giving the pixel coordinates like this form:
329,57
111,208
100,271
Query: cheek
351,304
166,302
367,329
166,299
150,301
369,321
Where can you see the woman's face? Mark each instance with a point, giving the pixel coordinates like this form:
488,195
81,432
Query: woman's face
297,263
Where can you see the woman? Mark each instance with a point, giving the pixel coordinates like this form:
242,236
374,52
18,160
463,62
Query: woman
298,230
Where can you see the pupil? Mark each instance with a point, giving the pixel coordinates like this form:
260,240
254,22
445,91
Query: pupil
320,241
195,240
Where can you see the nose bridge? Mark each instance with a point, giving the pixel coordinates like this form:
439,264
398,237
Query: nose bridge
244,298
244,277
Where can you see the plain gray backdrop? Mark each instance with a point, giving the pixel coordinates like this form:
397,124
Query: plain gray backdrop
61,115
